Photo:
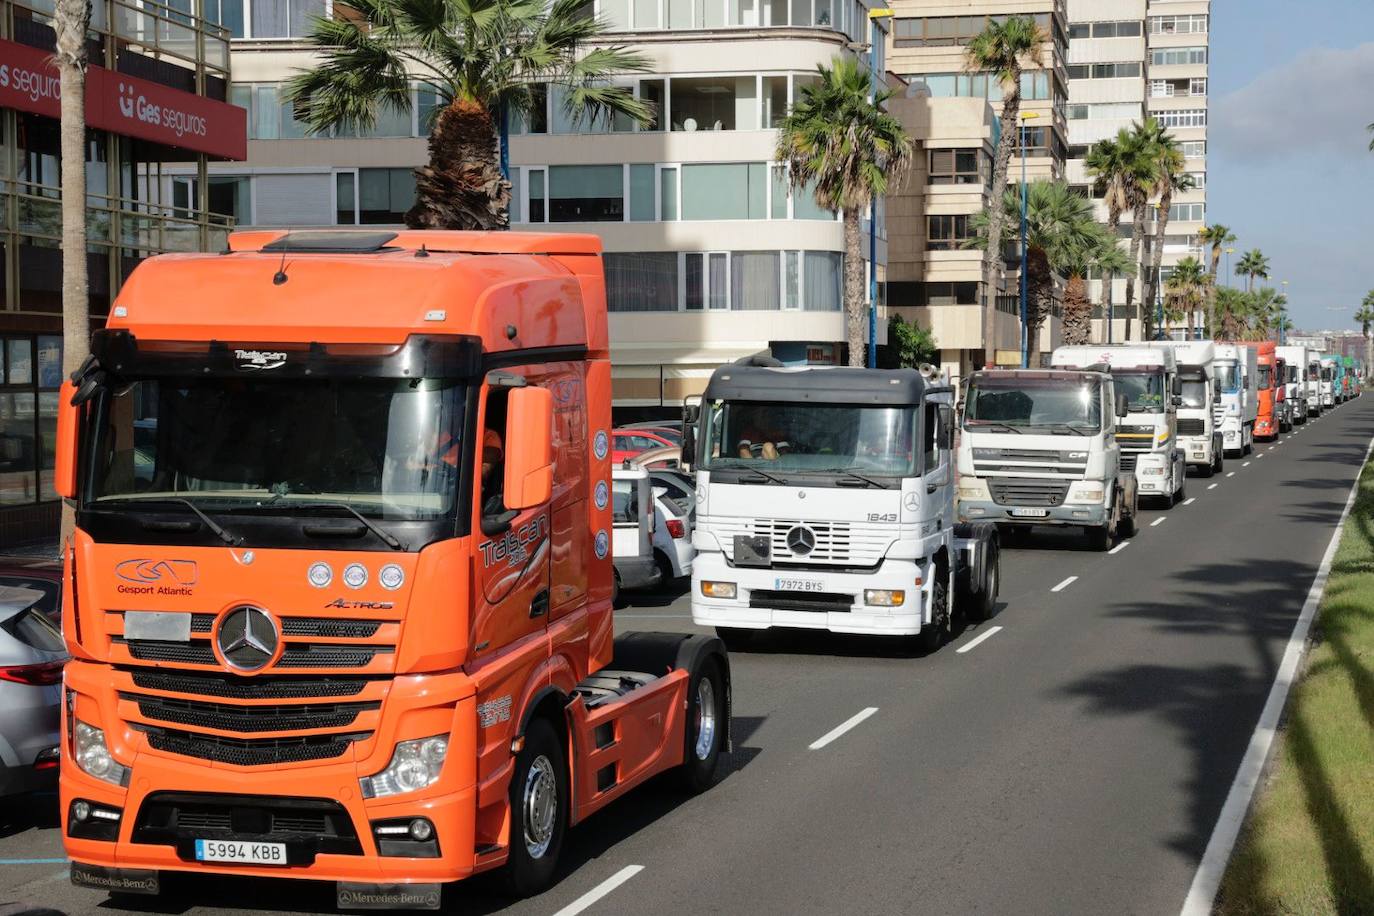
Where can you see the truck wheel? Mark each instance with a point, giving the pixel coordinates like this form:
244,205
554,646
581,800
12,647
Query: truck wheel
615,590
665,571
932,637
705,729
1217,460
984,605
1126,527
1100,538
735,639
539,811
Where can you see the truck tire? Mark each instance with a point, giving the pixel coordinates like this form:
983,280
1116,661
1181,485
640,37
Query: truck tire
983,605
539,811
1126,528
615,591
736,639
705,727
1100,538
665,571
932,637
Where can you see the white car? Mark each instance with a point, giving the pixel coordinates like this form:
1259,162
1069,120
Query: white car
652,542
676,501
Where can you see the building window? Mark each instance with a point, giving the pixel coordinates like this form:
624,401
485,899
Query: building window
1193,149
947,233
1113,71
714,103
1191,117
227,14
954,31
30,374
823,290
374,196
229,195
645,281
1199,179
1192,24
586,194
282,18
957,166
724,191
755,280
1165,57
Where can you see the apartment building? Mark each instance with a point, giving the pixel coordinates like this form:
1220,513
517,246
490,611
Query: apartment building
156,98
710,254
952,112
1129,59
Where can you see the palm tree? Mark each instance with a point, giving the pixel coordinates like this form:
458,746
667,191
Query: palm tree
1170,179
71,21
1233,313
1217,237
1004,49
1101,254
1266,305
1138,144
486,60
1119,173
1365,316
1059,225
1186,291
1252,264
849,151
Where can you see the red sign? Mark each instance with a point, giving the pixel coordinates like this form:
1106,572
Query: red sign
125,105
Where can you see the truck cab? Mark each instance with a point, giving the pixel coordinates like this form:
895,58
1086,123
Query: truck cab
1236,372
1148,377
1268,386
1039,447
826,502
1330,381
1295,361
1314,385
1199,432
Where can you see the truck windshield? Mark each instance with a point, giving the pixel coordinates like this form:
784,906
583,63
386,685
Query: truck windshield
1144,388
1227,376
1290,373
387,448
1034,403
1195,391
1314,373
811,438
1266,373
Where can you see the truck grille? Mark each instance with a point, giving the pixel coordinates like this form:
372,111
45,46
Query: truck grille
1127,460
248,688
326,627
1038,462
820,602
247,719
836,543
296,655
1012,491
248,752
1192,426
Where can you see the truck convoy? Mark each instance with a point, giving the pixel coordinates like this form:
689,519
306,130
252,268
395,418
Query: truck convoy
1148,435
1295,360
1236,371
1199,434
1039,447
345,611
826,502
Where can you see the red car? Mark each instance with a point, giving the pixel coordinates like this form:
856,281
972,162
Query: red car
627,443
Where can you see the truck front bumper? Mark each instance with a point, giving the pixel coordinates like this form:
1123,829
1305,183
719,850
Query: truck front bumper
774,598
1265,426
1198,449
1091,515
1152,474
1232,434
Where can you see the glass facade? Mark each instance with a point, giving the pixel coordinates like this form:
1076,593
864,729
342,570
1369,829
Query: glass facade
736,281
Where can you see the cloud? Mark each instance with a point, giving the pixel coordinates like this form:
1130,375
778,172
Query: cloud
1317,103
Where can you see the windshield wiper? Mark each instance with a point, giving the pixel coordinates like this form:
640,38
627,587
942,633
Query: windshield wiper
1069,429
391,540
210,523
867,481
766,476
992,424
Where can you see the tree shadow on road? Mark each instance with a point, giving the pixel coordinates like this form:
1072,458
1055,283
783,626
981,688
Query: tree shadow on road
31,811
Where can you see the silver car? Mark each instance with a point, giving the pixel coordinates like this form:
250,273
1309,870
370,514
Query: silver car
32,654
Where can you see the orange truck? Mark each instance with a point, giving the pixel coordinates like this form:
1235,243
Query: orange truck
1268,419
339,598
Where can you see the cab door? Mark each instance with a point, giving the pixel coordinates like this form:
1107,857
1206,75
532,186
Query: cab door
937,441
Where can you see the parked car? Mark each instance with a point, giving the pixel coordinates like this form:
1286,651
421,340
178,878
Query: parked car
652,536
675,425
40,574
32,654
627,443
667,458
673,550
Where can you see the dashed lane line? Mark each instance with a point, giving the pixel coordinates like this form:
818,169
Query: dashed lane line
601,890
1065,584
973,642
1157,521
843,727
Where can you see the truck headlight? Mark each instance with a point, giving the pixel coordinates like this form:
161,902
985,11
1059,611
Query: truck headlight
93,756
973,488
414,765
725,590
1085,493
884,597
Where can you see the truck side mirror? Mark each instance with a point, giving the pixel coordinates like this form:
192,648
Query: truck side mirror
1178,386
1178,400
68,420
529,448
1216,394
1123,406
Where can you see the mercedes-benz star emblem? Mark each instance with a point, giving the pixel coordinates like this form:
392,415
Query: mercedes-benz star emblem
801,540
247,638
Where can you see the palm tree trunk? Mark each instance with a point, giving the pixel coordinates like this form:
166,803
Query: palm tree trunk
1212,292
461,187
856,318
1166,200
71,21
992,256
1078,311
1137,232
1368,348
1109,279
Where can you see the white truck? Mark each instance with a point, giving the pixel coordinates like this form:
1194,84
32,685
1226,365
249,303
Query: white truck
1329,376
1295,360
825,500
1199,433
1314,383
1236,372
1038,447
1148,377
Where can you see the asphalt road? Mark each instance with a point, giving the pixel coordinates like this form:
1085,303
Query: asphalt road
1073,759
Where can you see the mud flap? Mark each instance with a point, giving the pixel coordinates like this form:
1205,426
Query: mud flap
349,896
116,880
971,542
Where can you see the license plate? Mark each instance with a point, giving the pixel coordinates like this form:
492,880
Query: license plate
240,851
798,585
1030,513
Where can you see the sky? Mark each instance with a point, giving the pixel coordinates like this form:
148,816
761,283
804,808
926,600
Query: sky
1289,167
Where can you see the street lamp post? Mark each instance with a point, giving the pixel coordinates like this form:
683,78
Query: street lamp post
1025,314
1229,252
874,37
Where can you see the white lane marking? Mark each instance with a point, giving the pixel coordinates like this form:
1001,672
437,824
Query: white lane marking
1065,584
1202,894
1157,521
601,890
973,642
1212,487
1230,473
1259,456
1118,548
843,727
1246,464
1190,500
